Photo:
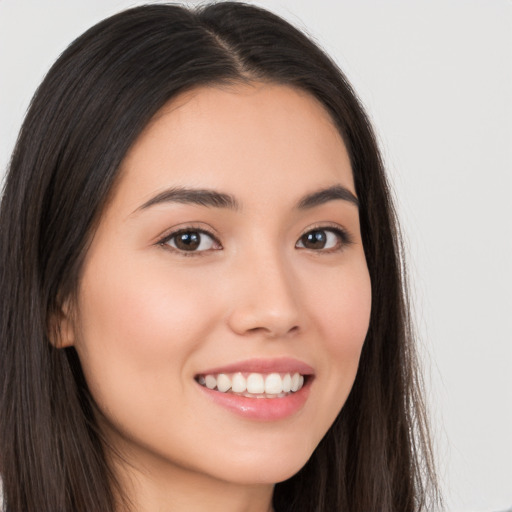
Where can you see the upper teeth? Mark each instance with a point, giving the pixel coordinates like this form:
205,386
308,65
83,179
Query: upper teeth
254,383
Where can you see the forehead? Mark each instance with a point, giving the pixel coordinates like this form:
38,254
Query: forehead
246,138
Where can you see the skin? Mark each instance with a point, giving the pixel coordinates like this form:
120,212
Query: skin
148,318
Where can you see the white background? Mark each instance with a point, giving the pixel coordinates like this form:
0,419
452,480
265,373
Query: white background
436,78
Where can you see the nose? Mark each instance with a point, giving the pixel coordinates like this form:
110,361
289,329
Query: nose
265,298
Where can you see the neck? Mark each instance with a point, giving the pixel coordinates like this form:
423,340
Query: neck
166,489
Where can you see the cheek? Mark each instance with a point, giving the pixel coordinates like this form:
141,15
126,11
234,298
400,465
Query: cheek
348,318
342,312
138,303
342,308
135,329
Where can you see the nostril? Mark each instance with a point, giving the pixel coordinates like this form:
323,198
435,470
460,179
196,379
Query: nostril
274,331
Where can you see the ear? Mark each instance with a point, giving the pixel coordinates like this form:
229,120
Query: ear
61,332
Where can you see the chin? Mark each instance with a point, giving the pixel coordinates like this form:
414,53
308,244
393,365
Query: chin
265,467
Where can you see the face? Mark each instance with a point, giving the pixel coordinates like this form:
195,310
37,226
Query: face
225,298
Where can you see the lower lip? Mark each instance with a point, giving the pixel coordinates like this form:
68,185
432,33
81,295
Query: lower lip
263,409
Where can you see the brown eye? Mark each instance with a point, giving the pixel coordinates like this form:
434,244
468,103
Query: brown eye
190,241
318,239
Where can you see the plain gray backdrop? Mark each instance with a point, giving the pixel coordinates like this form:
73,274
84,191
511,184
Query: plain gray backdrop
436,78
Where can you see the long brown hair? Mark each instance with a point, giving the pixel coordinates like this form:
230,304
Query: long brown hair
88,111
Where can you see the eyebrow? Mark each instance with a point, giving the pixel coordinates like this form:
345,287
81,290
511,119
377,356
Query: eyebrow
214,199
199,196
325,195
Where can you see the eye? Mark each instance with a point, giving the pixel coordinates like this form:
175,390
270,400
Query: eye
190,240
327,239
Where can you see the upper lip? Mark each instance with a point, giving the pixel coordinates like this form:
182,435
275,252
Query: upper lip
278,365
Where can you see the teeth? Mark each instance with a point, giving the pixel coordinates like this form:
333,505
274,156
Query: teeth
287,383
254,385
295,382
210,381
223,382
273,384
238,383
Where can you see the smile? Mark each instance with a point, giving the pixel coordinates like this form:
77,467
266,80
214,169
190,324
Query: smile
254,385
282,385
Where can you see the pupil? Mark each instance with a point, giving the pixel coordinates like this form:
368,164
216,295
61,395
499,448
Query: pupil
188,241
315,240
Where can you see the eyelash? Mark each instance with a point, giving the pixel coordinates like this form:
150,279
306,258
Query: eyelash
344,239
189,229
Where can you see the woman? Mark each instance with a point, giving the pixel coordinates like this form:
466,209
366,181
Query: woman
202,292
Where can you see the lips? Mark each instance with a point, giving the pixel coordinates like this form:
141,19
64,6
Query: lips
250,388
281,365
